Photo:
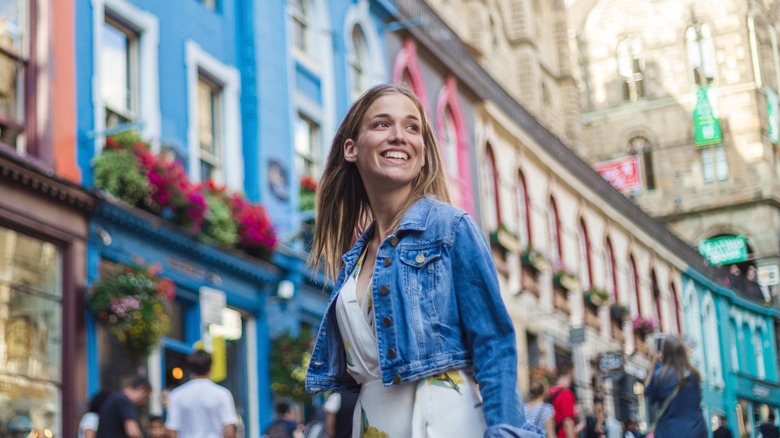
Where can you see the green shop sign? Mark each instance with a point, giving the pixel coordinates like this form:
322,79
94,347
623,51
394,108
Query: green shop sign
706,127
724,250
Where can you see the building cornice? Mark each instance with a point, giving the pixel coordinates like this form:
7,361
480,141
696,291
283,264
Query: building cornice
26,174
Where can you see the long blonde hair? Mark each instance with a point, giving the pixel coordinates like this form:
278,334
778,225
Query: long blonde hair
342,206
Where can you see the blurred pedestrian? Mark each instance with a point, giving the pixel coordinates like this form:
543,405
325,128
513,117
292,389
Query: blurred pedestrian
768,429
157,427
595,423
119,414
339,410
416,316
283,426
564,401
89,421
723,430
200,407
539,415
674,386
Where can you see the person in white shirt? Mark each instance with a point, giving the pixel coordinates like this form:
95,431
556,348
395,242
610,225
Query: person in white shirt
200,408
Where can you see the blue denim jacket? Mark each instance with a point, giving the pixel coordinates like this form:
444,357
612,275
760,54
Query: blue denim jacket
437,307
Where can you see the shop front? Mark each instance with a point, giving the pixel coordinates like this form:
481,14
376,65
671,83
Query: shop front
219,302
755,401
43,228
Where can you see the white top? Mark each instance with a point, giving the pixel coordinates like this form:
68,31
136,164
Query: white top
88,422
333,403
200,409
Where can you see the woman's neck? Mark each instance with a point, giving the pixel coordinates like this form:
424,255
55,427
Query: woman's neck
384,208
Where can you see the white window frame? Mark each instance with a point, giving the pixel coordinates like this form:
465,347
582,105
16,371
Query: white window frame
148,39
711,339
314,154
304,19
714,163
199,62
693,324
215,160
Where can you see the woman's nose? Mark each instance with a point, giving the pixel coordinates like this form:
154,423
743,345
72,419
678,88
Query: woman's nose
397,133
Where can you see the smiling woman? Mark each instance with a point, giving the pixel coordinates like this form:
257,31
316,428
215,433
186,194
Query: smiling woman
400,330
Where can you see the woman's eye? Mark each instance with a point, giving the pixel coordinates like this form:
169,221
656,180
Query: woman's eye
381,125
413,128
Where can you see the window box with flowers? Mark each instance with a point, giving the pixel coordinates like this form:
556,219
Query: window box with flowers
533,261
564,279
618,313
504,240
307,194
128,170
596,297
643,327
133,303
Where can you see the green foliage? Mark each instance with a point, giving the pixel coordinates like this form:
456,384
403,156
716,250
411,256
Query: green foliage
597,297
220,226
116,171
289,359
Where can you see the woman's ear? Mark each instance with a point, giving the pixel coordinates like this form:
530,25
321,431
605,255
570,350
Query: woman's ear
350,151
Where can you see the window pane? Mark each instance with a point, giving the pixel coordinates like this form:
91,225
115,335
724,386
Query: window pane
209,129
32,334
306,140
450,144
358,60
707,165
721,163
29,262
13,26
116,77
300,24
11,89
211,4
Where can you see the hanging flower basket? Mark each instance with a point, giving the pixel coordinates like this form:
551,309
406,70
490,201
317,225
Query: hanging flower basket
290,356
643,326
133,303
596,297
618,312
534,260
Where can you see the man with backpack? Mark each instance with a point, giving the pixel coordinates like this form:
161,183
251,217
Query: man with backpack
564,401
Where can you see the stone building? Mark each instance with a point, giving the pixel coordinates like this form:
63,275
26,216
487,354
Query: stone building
685,94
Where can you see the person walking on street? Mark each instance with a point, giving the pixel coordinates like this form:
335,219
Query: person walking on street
415,317
200,408
768,429
90,420
283,426
723,430
674,386
119,414
564,401
538,413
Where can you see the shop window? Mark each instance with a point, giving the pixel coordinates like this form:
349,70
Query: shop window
30,331
307,145
631,68
714,163
358,57
14,58
119,65
300,13
210,129
701,54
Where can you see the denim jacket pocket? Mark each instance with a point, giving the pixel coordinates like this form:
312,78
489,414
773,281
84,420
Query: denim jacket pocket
422,268
421,265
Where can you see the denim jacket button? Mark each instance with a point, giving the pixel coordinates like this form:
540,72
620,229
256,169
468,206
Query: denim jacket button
420,258
387,262
391,353
384,289
396,379
394,241
387,321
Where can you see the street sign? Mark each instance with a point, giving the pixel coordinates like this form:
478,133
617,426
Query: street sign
623,173
706,125
724,250
768,275
611,363
577,335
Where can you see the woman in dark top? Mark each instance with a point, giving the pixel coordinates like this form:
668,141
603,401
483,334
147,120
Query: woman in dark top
684,411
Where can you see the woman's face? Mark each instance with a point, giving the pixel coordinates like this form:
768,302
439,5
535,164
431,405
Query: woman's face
389,150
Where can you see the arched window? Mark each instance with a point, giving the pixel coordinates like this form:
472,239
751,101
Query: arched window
759,349
586,273
357,61
642,148
676,310
733,339
493,206
554,230
701,54
631,67
300,12
611,268
711,342
454,145
693,325
633,282
523,210
656,300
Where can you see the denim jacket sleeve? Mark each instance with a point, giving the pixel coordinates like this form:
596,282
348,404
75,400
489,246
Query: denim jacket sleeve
489,332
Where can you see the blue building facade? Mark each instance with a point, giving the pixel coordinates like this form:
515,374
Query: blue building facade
733,342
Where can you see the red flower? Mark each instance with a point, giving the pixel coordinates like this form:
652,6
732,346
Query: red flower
308,183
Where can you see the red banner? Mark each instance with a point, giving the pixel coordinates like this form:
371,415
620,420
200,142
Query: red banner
623,173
